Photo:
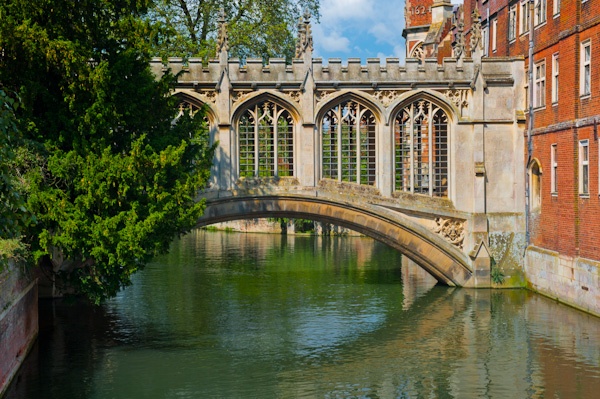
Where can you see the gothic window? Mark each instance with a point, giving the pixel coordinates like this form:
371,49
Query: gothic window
266,141
348,144
421,149
418,52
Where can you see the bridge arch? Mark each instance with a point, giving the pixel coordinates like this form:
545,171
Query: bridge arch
441,259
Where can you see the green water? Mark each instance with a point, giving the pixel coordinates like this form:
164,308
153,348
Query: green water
266,316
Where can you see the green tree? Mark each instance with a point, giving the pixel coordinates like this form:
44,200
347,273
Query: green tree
257,28
111,177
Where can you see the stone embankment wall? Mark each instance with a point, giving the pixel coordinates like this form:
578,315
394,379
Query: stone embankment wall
262,225
574,281
18,320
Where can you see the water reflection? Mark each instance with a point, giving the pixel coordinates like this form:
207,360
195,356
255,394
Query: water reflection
264,316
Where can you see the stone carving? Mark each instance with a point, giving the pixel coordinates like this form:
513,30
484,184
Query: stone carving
323,95
386,97
305,40
222,37
459,46
294,95
452,230
458,97
208,96
239,96
476,42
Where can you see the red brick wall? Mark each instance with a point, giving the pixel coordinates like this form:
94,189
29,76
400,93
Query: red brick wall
418,12
568,223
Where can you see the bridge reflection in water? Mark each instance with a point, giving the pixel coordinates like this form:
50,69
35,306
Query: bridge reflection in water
268,316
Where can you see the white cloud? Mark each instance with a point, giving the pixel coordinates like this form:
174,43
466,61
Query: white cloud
359,28
343,10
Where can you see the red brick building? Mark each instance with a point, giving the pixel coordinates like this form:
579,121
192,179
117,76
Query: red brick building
563,156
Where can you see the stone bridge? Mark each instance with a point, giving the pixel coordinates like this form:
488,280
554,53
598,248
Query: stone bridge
426,156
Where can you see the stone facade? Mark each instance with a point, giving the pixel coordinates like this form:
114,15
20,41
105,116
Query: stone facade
436,141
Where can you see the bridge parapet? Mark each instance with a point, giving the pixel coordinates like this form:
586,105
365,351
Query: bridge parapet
374,73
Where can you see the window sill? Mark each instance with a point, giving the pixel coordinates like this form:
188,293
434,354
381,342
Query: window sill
584,196
554,194
556,15
539,25
555,104
586,96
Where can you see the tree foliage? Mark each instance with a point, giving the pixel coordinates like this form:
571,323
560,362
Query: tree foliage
257,28
111,178
13,215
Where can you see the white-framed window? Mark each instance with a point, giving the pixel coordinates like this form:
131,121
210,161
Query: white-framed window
554,169
585,84
555,70
539,81
494,35
512,23
485,37
584,167
555,7
524,20
539,12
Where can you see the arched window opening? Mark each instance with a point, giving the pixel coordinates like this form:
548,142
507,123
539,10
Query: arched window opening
418,52
535,184
348,144
266,141
421,149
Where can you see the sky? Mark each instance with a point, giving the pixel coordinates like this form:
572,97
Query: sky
359,29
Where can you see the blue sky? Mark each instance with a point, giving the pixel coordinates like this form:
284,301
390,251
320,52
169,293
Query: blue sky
359,29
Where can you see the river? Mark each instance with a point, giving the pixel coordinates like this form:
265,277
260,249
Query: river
228,315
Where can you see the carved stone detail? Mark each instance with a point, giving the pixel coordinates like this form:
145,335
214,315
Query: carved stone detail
222,36
239,96
294,95
452,230
459,46
208,96
305,40
323,95
476,41
458,97
386,97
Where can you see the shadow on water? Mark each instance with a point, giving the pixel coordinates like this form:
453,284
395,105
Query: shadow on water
243,315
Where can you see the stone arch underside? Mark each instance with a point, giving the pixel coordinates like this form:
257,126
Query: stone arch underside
426,249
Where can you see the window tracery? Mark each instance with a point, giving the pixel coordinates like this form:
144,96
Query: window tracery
348,144
421,149
266,141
